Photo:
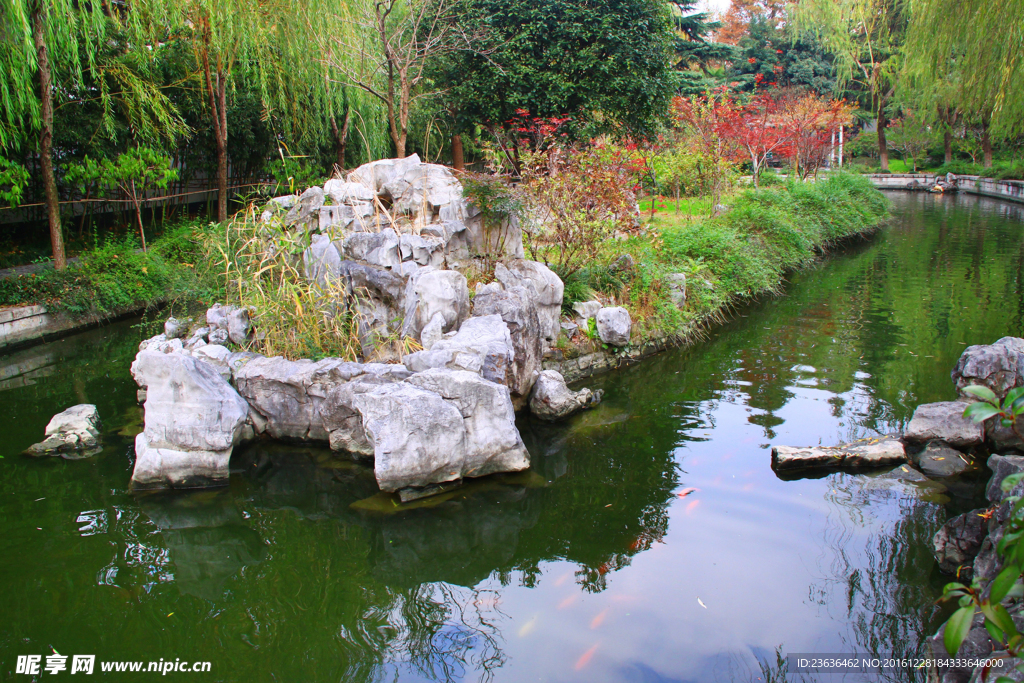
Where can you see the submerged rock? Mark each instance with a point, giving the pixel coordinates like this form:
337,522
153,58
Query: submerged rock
871,452
74,429
944,422
939,460
957,543
553,400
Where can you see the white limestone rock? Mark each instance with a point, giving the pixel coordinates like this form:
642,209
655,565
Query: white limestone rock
431,291
482,345
343,192
871,452
321,261
552,400
377,174
74,429
374,248
306,211
191,412
614,325
517,309
545,288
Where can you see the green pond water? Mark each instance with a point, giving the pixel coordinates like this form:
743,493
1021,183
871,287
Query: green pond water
591,566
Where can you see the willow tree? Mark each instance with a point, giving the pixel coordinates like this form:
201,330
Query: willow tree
386,46
974,51
232,42
51,50
865,37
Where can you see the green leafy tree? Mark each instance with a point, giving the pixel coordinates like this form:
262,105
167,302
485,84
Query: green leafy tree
766,54
911,136
134,173
13,179
604,63
865,37
977,45
696,52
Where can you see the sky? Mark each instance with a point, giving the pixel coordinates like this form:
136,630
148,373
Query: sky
719,6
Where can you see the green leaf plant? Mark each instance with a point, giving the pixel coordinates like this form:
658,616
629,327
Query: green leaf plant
988,596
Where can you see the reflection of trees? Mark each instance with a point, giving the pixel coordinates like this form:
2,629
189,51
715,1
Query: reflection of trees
872,566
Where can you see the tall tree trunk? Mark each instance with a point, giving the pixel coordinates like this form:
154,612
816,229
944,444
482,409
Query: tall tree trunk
458,160
986,146
216,91
138,213
883,147
947,143
46,137
222,150
341,137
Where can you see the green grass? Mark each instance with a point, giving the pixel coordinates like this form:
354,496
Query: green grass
739,255
688,206
114,276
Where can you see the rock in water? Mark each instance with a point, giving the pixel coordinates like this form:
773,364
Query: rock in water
492,442
193,419
944,422
939,460
553,400
613,325
422,437
75,429
999,366
872,452
957,543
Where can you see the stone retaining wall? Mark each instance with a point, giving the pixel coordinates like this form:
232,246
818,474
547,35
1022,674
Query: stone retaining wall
26,325
582,367
1012,190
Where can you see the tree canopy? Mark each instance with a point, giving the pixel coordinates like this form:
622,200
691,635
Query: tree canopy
605,63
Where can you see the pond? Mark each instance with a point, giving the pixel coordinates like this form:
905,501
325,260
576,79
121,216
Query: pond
598,564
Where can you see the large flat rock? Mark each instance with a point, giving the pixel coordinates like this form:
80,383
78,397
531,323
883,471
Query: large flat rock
944,422
873,452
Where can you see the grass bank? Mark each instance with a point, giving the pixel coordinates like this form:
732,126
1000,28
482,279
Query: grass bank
116,276
742,254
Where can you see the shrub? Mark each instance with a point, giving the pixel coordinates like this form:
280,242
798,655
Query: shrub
574,200
740,254
116,276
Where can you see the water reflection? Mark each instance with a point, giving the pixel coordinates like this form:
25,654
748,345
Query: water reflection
206,539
